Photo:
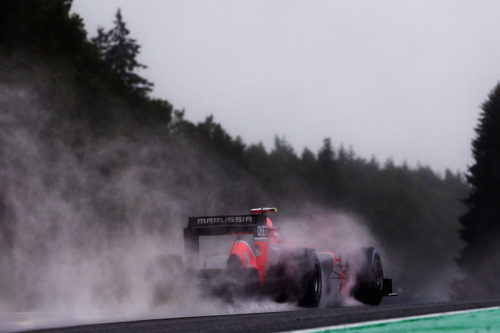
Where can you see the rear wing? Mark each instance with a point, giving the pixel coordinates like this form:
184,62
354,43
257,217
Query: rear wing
221,225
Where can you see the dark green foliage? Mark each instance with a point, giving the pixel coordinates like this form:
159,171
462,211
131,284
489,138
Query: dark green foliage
211,135
327,172
103,97
481,224
120,53
43,27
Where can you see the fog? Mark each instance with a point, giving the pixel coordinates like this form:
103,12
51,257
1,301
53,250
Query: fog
87,222
360,72
83,229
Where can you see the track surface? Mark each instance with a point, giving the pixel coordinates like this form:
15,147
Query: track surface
278,321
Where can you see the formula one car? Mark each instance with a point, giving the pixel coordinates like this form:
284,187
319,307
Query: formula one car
259,264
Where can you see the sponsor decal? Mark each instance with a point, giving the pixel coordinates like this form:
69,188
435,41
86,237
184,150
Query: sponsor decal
224,220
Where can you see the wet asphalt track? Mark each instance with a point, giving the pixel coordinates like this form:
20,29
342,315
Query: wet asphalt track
278,321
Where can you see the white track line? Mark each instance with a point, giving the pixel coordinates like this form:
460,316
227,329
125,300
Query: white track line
392,320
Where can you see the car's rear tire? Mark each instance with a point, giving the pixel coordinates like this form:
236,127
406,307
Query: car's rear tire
369,283
311,283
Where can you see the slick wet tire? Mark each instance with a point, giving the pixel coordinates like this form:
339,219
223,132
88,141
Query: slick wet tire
311,281
370,278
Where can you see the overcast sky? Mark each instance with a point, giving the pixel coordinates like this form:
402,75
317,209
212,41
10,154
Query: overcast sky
399,79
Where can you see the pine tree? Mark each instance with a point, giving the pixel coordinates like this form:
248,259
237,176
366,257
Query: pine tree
479,259
328,172
120,52
101,41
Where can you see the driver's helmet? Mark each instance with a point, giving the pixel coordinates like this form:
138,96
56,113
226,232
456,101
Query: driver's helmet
273,234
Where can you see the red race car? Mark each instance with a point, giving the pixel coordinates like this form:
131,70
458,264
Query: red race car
259,264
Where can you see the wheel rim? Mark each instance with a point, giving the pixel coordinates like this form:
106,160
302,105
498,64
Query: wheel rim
317,283
379,278
379,282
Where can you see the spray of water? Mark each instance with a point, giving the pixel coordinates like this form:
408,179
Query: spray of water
86,229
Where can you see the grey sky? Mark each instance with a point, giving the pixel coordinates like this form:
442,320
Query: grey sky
400,79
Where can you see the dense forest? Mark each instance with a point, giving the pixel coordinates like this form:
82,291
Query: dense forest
480,225
92,167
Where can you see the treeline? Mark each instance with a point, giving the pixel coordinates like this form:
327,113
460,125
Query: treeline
480,225
413,211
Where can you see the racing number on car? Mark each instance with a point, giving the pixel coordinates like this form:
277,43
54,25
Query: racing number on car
261,231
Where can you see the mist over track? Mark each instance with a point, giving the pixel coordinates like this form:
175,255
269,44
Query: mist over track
279,321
